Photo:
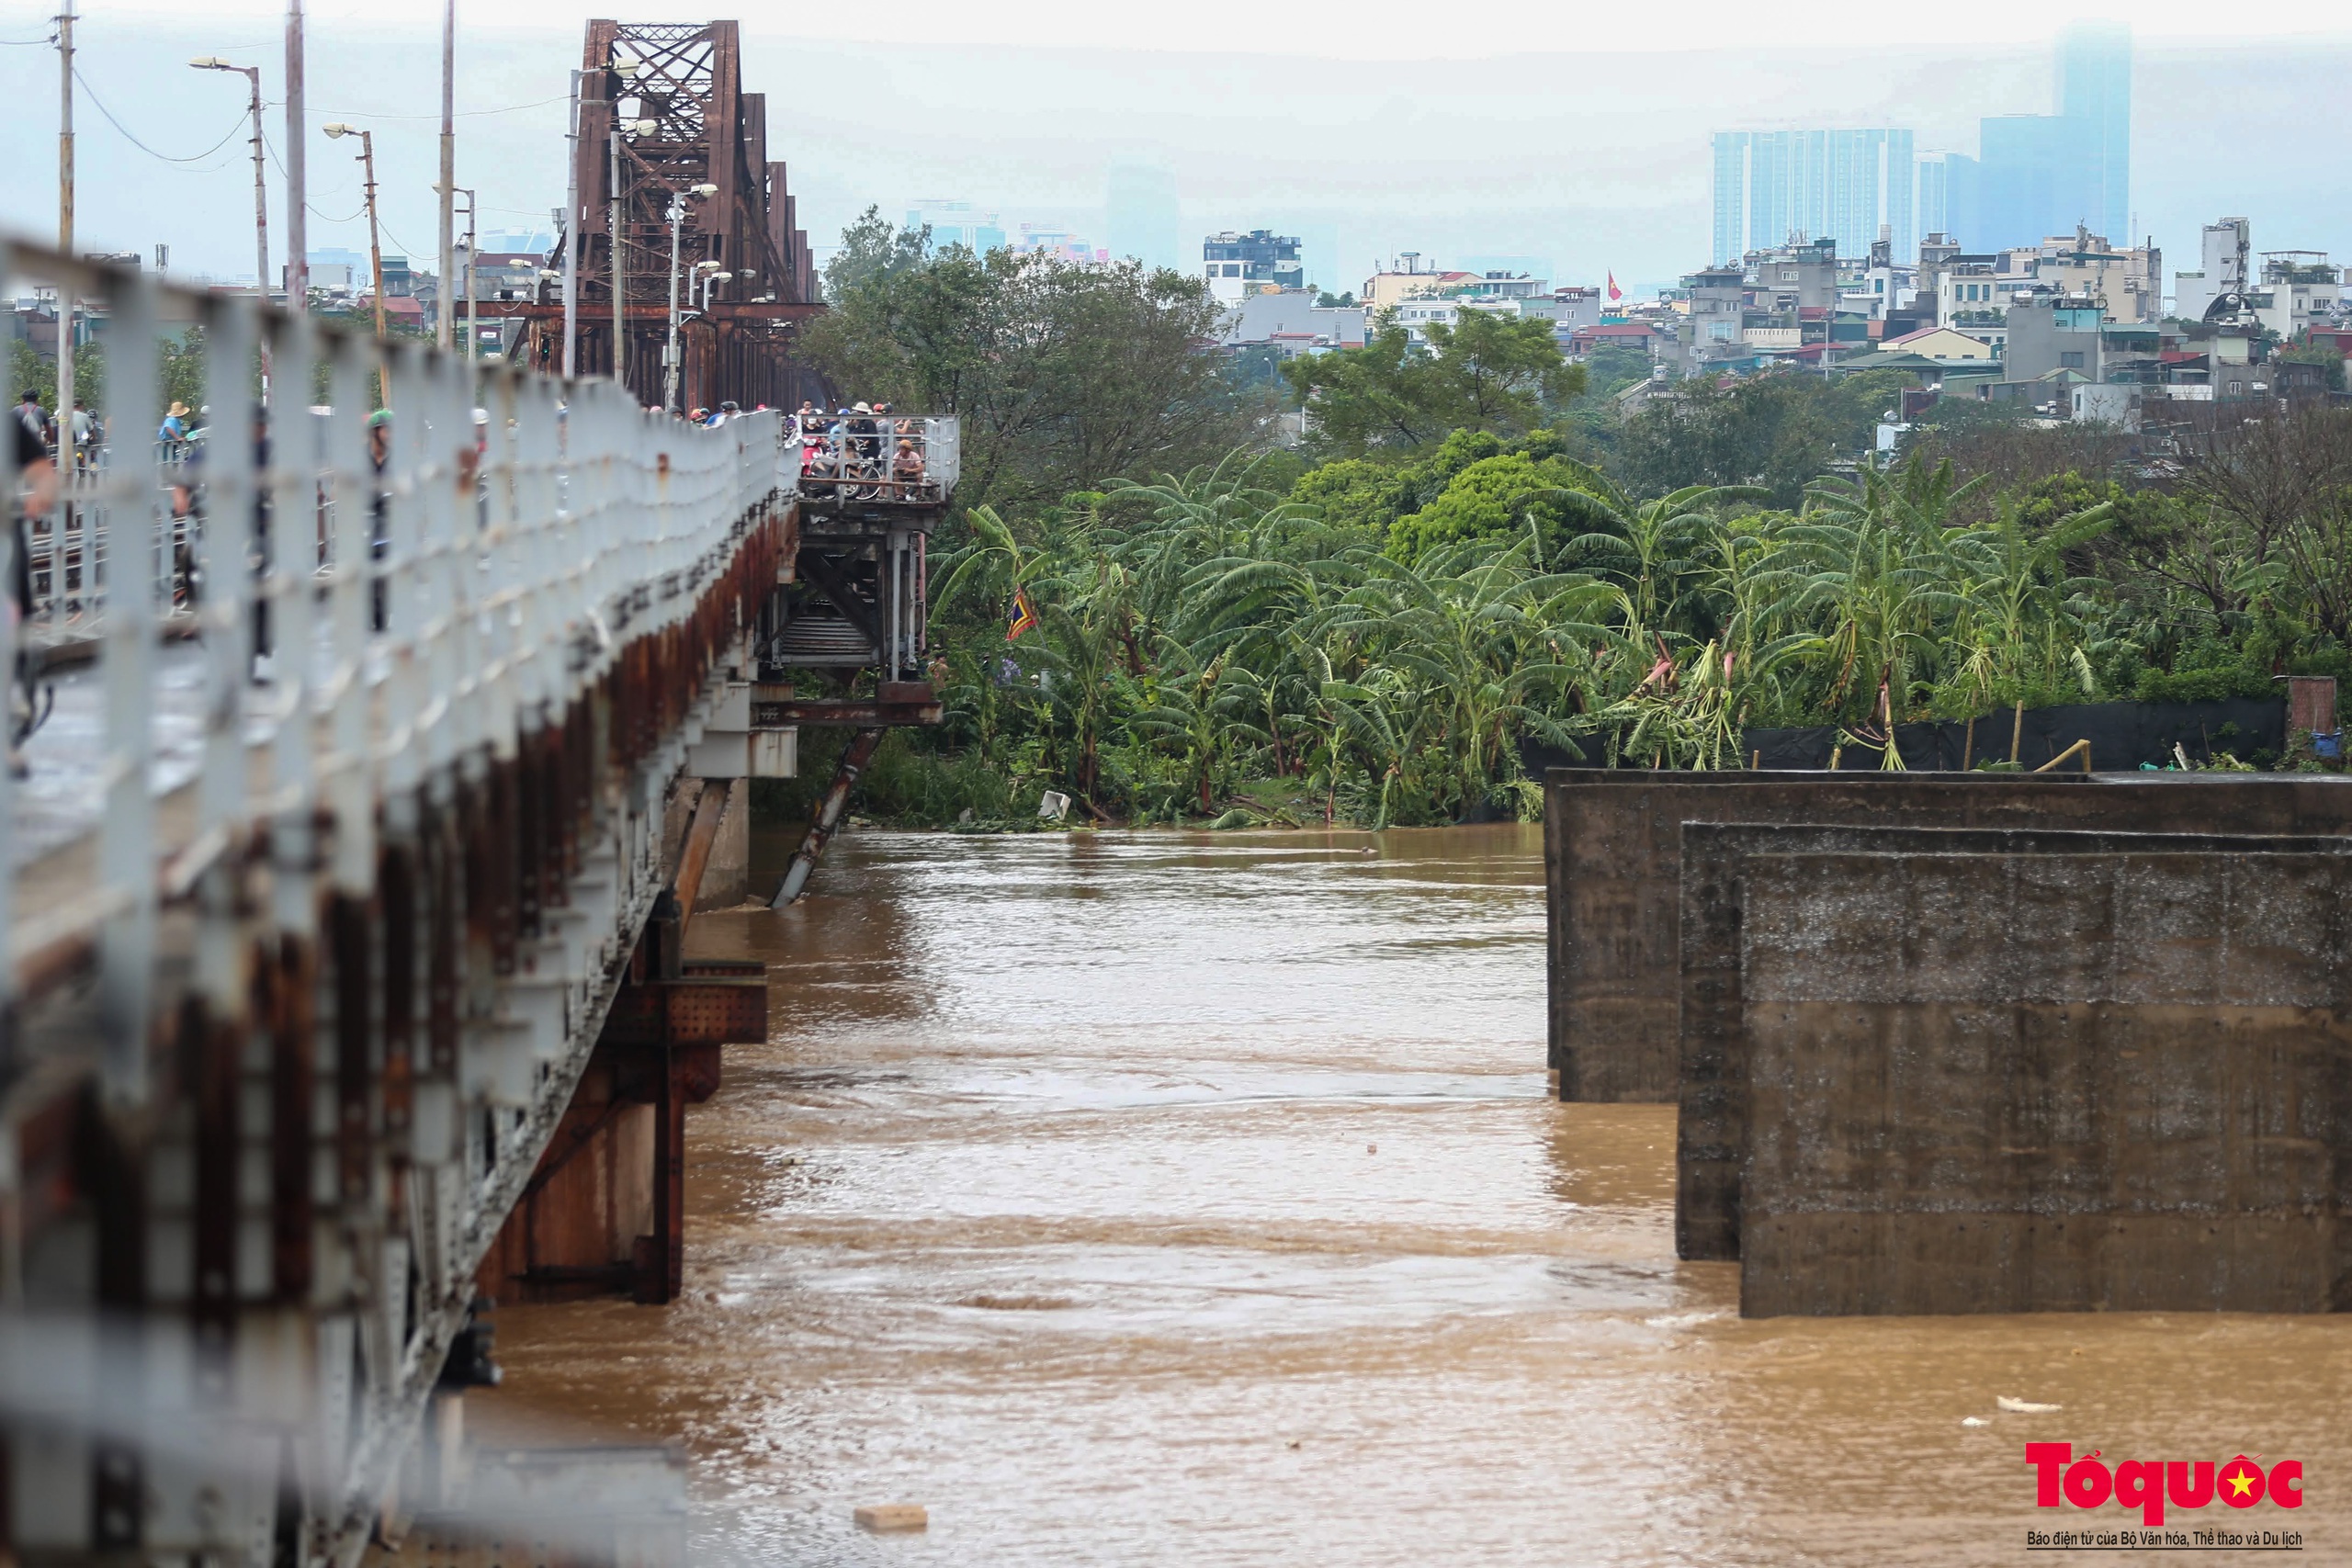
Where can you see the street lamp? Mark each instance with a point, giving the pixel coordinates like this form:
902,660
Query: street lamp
677,216
474,253
574,242
625,70
374,241
261,198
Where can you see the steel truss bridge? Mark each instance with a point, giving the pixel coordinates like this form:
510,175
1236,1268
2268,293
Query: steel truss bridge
662,114
341,914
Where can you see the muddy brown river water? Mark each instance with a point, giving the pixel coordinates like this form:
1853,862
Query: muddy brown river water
1173,1199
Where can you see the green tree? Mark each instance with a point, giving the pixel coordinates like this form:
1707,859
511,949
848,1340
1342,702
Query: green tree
1487,373
1780,430
1492,498
1061,375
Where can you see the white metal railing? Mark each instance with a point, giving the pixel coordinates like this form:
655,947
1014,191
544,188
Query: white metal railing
67,549
429,614
878,455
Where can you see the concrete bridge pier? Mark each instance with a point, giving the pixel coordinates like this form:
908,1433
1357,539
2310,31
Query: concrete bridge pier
1950,1044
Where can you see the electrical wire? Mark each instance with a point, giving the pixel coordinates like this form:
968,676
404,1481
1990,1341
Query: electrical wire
462,114
308,206
166,157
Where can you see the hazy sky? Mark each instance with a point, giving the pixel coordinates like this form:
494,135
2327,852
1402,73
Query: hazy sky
1573,137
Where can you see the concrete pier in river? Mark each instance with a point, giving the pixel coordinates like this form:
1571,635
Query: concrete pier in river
1954,1043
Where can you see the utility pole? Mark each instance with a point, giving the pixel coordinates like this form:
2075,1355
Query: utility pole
261,193
374,241
443,328
620,292
625,72
671,370
298,194
66,234
471,268
571,237
670,350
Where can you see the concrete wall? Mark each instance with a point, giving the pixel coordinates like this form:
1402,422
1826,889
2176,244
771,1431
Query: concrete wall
1713,1129
1612,842
726,878
1613,854
2027,1083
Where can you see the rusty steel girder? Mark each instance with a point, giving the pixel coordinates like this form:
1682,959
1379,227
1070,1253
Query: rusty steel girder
685,80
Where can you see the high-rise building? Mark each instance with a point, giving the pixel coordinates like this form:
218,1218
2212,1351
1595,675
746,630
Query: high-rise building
2045,174
1948,195
2095,93
1730,181
1774,186
1141,210
2031,183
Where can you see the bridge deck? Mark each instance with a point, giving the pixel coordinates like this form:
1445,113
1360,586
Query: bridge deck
304,970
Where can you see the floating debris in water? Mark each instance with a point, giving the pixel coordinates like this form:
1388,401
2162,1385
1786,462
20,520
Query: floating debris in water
884,1517
2024,1406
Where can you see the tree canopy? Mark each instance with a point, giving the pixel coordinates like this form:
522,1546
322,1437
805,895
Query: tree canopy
1486,372
1062,374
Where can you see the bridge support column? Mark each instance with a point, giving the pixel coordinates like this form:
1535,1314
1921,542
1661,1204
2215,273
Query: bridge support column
829,816
605,1210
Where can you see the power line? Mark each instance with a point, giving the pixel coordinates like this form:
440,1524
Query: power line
462,114
166,157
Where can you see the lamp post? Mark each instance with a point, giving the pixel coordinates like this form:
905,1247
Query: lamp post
65,233
447,187
473,247
261,193
698,282
625,70
375,242
572,236
677,216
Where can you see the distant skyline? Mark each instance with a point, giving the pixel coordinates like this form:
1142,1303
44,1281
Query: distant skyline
1362,159
2032,175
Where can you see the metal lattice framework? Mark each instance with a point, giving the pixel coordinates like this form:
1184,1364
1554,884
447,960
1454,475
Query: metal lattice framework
685,81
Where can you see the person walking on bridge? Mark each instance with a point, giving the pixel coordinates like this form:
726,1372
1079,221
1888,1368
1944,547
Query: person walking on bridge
87,433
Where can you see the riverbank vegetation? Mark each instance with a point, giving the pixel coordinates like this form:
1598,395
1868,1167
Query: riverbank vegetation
1471,555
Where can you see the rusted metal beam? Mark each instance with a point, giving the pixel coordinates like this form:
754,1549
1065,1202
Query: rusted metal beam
890,708
696,1010
694,853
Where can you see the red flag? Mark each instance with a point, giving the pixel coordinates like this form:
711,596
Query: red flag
1614,292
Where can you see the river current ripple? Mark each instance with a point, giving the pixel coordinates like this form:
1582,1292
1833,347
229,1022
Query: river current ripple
1168,1199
